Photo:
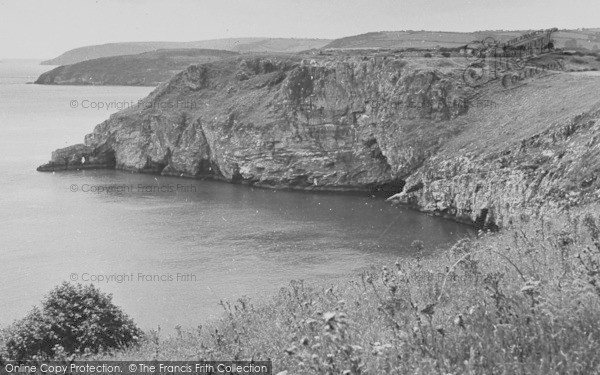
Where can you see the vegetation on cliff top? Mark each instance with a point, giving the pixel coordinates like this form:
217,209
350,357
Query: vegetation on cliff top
572,39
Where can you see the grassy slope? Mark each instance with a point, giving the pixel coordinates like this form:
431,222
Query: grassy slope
524,301
413,39
523,111
431,39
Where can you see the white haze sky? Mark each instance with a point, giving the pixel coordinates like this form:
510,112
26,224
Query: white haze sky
45,29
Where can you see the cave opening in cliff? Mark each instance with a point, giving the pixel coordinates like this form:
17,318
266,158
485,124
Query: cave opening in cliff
388,188
486,221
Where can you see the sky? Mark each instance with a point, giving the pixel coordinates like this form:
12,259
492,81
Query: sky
45,29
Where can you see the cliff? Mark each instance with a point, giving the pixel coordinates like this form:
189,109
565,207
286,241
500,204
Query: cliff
145,69
365,122
539,149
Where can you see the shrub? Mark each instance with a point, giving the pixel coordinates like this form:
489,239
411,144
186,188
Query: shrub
446,54
73,319
427,54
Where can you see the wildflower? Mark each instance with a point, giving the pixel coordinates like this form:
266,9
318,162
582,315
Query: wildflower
440,330
291,350
459,321
429,310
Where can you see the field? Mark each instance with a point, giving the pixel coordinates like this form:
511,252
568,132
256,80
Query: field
585,38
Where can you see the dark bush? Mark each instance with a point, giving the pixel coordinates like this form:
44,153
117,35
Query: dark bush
427,55
73,319
446,54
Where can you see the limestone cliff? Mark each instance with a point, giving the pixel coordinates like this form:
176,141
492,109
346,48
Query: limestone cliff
362,122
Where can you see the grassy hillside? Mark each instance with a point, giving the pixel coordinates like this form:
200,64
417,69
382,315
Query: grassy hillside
145,69
413,39
529,107
232,44
587,38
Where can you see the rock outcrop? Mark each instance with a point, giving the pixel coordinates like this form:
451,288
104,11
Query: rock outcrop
363,122
76,157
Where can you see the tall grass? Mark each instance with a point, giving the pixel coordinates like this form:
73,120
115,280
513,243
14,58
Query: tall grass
524,301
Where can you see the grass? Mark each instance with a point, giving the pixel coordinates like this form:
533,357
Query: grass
523,301
441,39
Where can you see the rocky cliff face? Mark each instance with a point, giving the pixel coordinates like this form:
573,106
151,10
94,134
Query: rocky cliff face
328,124
554,169
357,123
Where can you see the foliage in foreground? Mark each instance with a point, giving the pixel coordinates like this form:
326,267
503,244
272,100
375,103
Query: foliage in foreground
525,301
73,319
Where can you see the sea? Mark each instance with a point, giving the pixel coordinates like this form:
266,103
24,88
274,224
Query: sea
170,251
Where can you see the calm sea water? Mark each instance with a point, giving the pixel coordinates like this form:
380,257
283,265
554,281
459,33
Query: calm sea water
170,251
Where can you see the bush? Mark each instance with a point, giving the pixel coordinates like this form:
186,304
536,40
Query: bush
73,319
446,54
427,55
